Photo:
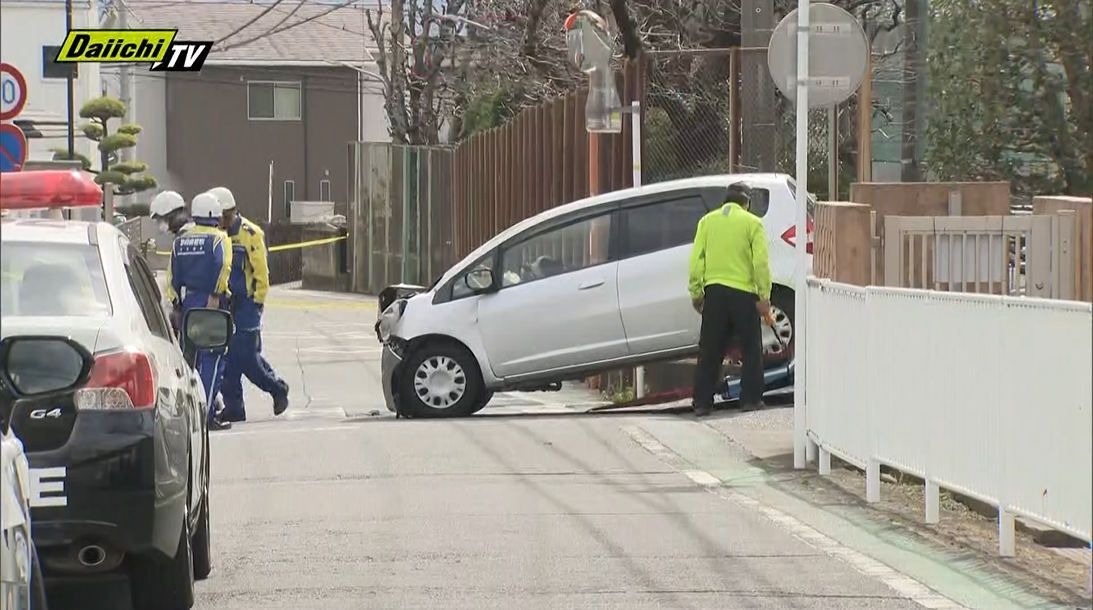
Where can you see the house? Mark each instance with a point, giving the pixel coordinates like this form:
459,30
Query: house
288,85
31,32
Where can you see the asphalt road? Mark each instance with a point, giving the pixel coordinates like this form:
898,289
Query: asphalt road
529,505
338,506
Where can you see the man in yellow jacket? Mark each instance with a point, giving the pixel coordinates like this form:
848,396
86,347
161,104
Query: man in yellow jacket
249,285
730,288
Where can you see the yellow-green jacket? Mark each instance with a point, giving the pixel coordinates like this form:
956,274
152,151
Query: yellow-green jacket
730,249
250,273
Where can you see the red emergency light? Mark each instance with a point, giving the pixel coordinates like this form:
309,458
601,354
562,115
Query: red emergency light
53,188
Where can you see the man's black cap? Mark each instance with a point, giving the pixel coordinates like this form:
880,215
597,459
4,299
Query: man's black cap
738,193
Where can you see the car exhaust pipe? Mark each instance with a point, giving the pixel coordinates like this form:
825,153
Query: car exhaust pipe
91,556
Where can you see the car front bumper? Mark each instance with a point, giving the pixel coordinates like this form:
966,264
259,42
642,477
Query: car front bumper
389,364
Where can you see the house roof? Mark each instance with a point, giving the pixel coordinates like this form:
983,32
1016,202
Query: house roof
302,30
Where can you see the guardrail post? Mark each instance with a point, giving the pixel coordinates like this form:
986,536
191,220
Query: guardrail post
824,461
933,501
872,481
1007,526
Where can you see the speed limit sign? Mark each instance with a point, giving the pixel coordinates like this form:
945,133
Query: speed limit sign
13,92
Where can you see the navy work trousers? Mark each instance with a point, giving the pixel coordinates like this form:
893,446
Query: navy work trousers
245,359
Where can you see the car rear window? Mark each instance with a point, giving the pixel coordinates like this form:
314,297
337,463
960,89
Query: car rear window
46,280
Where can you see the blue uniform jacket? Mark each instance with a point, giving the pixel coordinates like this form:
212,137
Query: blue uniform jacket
200,266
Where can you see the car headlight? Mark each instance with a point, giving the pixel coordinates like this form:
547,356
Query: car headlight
389,318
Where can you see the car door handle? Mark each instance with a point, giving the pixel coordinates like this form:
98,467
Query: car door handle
590,284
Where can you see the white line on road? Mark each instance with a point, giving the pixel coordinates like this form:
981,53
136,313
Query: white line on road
905,586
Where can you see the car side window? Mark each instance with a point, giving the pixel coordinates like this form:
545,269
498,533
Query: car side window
662,225
760,201
565,249
144,287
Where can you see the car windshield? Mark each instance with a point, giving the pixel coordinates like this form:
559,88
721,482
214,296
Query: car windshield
47,279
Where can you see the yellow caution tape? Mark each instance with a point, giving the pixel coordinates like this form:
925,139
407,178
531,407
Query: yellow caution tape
283,247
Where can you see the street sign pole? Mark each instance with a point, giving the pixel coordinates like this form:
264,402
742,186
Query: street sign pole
800,420
71,89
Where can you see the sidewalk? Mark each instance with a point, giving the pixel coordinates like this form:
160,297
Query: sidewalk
1057,573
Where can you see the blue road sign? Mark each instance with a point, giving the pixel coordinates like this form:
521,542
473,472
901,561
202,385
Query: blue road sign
13,148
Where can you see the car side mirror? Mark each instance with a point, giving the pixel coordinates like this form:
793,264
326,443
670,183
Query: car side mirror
32,366
479,280
205,329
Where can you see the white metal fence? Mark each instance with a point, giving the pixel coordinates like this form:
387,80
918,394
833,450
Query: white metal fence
988,396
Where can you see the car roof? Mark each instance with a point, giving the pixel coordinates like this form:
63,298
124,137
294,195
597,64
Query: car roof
719,180
46,230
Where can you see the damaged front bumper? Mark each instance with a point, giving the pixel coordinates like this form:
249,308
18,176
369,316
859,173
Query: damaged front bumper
390,361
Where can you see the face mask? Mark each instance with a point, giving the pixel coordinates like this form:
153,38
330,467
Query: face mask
163,226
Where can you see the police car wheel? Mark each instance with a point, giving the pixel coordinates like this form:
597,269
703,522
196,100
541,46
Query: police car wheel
160,583
441,380
202,539
37,583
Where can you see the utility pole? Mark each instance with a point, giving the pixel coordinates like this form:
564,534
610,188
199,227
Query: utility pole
126,79
71,89
758,133
912,69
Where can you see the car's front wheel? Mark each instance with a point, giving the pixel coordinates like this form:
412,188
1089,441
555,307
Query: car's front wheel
202,539
441,380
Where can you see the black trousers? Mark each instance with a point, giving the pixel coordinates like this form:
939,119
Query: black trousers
727,312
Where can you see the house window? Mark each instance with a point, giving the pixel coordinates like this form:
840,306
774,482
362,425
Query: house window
290,194
51,69
273,101
324,190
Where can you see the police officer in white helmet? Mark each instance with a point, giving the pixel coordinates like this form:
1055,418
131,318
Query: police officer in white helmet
249,287
201,260
168,209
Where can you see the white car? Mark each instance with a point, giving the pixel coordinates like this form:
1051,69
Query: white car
591,286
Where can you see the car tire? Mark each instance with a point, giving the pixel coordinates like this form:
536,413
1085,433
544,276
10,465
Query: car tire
783,299
202,538
483,400
37,583
450,367
159,583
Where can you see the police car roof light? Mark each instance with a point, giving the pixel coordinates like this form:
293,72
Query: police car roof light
120,380
52,188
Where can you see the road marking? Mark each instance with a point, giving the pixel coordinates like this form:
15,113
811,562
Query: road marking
302,304
905,586
339,349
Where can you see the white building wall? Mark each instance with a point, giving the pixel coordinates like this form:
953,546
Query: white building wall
27,26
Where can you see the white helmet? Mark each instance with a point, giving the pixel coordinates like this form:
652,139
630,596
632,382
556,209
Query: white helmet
205,205
227,200
165,203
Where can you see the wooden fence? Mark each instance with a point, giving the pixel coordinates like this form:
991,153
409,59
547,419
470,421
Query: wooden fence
416,210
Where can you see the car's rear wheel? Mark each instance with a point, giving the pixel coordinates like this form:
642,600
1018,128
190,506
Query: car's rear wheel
782,310
441,380
37,583
159,583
